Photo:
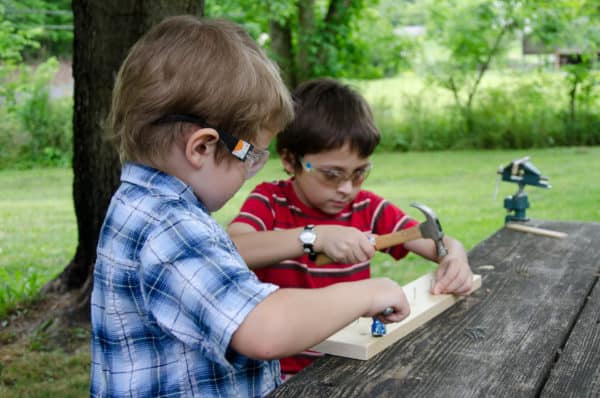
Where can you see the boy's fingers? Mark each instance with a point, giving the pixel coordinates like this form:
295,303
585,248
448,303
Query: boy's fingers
398,315
439,287
372,239
466,287
454,285
440,272
366,251
444,276
460,284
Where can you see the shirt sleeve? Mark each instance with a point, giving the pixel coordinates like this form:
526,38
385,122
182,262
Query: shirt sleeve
196,287
389,218
257,211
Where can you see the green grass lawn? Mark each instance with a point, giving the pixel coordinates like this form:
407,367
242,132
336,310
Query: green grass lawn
396,90
38,230
38,222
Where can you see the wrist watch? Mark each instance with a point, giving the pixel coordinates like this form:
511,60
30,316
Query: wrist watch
308,237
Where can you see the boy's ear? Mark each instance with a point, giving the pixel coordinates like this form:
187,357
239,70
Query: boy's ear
289,161
201,144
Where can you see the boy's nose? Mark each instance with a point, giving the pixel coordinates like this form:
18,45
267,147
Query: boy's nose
345,186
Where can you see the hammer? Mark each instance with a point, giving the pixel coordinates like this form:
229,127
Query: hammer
430,228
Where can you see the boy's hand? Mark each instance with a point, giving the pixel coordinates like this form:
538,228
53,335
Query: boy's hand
387,293
345,245
453,275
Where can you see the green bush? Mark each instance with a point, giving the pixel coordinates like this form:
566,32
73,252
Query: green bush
518,112
11,139
35,129
585,130
49,23
516,117
19,288
421,126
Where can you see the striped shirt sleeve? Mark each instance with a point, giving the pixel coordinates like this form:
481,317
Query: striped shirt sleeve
389,218
257,210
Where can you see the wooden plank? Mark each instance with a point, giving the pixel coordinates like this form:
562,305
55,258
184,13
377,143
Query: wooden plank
577,372
502,340
355,340
538,231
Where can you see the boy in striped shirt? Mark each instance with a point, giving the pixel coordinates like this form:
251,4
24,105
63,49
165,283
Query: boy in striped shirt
322,207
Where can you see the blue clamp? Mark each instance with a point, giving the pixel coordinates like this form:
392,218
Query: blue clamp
378,328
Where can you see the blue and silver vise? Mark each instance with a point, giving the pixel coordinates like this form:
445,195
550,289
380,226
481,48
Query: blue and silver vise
521,172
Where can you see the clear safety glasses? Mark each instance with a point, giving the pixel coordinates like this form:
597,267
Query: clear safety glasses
254,159
335,177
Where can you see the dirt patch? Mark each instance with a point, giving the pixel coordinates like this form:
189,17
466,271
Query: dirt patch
41,326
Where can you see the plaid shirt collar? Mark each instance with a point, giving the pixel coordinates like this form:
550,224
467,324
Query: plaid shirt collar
157,181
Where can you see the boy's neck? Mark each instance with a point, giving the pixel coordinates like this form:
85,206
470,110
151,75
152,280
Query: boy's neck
173,163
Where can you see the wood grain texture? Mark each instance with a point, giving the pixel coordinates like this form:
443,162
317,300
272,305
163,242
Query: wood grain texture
577,372
503,340
355,340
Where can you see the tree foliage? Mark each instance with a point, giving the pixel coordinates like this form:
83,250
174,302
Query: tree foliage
14,39
339,38
473,34
49,22
571,28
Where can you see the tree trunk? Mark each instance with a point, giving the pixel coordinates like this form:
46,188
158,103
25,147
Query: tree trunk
337,19
306,30
335,12
282,52
104,32
573,99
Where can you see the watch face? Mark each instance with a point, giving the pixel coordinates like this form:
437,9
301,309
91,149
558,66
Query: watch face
308,237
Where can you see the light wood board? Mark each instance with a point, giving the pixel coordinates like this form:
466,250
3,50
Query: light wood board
537,231
355,340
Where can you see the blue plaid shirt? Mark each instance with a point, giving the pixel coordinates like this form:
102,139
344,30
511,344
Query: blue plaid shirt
170,289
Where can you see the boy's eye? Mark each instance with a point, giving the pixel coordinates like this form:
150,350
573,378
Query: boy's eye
332,175
359,173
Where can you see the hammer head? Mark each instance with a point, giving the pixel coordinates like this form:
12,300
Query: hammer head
431,228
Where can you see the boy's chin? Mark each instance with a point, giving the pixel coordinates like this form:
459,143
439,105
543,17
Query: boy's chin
332,210
213,206
216,207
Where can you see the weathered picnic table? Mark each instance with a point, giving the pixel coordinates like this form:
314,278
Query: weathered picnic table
533,329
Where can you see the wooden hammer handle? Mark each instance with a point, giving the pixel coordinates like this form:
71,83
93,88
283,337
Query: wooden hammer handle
382,242
395,238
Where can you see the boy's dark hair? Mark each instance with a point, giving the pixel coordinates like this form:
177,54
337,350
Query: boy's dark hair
211,69
329,115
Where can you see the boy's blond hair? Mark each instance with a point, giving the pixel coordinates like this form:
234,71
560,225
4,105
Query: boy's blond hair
208,68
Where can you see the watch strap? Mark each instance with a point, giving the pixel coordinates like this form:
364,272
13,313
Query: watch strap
309,247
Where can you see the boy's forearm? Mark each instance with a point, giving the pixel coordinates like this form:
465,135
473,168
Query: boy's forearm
454,247
426,248
292,320
261,249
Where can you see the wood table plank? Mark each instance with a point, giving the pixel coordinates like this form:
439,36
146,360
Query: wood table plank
501,341
577,372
